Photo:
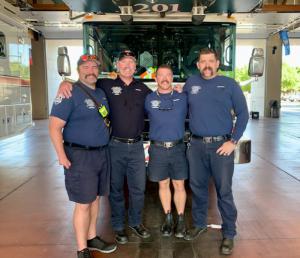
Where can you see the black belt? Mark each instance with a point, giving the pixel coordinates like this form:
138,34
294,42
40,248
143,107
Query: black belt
125,140
210,139
85,147
166,144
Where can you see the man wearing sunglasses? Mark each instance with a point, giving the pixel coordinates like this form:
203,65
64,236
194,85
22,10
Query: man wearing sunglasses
167,110
126,97
82,151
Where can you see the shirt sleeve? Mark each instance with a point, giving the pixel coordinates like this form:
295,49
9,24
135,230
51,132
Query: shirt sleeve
62,108
241,111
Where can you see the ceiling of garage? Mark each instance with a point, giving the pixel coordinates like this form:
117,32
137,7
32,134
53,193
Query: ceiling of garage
52,17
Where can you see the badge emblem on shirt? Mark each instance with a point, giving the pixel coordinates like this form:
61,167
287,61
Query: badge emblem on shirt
58,99
116,90
89,104
155,103
195,89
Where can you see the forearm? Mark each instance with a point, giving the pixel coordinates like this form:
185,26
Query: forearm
240,126
55,130
57,141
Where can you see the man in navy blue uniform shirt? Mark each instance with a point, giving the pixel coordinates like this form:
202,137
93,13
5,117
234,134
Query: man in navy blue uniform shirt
167,111
126,97
81,150
212,101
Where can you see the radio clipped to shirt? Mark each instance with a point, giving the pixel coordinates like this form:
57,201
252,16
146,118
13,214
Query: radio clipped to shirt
102,110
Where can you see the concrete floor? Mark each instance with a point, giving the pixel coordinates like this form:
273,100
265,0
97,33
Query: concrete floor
35,214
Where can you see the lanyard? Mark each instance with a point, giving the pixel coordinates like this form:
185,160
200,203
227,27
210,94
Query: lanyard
102,110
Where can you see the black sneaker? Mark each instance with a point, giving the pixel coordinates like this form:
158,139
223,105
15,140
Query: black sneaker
121,237
167,226
97,244
193,233
84,253
141,231
226,246
180,228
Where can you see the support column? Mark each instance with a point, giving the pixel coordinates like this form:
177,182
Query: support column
273,71
38,78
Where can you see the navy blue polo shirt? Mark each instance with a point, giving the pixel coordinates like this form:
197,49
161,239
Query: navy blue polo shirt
211,103
167,113
127,106
84,125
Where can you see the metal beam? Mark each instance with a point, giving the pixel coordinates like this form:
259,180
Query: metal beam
281,8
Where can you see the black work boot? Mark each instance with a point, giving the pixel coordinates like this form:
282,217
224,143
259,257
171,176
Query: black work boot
167,226
226,246
180,228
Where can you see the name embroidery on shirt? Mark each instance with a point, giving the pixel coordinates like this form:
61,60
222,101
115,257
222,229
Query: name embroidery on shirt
89,104
155,103
220,87
116,90
176,99
138,89
195,89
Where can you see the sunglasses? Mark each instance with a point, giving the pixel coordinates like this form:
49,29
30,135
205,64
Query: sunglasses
85,58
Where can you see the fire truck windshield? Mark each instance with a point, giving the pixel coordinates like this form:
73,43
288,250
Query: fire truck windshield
175,43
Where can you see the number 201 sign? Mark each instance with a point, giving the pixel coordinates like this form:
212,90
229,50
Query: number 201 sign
158,8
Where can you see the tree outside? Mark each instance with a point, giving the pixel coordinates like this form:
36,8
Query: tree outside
290,79
241,74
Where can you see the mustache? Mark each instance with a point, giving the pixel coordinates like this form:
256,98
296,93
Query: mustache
91,74
207,68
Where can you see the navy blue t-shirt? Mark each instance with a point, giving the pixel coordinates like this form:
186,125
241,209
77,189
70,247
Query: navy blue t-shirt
84,125
166,113
211,103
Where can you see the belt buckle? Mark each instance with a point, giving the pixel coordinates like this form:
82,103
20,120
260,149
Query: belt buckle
130,141
207,139
168,144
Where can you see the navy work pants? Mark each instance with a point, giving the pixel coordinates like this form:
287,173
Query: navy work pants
204,163
127,160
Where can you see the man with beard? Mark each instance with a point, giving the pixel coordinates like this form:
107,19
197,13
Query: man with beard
167,111
82,151
212,101
126,97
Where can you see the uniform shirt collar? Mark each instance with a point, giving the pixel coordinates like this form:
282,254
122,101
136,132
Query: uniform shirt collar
119,80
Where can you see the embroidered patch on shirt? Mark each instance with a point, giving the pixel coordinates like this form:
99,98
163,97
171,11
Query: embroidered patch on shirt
58,99
195,89
89,104
138,89
155,103
116,90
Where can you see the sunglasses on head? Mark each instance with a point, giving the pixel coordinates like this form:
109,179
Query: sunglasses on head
85,58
